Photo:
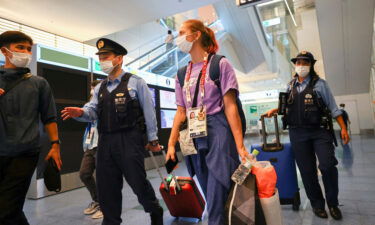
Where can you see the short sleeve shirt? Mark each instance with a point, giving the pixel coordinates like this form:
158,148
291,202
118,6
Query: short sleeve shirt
213,98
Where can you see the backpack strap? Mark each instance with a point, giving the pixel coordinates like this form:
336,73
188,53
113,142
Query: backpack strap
214,72
7,89
15,83
181,73
215,69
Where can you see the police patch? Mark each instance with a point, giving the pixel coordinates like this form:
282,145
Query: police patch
100,44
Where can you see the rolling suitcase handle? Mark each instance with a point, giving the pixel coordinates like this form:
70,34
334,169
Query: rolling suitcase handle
273,146
159,172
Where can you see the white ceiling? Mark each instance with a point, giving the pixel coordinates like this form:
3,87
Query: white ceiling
84,20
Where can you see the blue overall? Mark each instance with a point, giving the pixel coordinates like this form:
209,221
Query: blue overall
214,165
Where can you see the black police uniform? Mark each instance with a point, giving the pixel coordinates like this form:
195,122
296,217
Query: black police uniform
121,127
307,118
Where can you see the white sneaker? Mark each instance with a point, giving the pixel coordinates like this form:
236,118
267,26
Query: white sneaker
97,215
91,208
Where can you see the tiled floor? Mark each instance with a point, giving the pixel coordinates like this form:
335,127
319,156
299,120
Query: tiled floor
357,196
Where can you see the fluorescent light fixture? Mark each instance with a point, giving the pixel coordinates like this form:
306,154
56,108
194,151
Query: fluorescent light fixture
49,39
290,12
269,3
248,3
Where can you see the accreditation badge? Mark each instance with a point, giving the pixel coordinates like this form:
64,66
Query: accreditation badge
197,121
90,136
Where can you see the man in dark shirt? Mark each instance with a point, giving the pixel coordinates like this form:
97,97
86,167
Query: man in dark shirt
345,115
22,103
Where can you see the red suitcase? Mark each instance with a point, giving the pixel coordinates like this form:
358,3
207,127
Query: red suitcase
183,199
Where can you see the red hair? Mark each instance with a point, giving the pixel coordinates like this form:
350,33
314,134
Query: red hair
207,39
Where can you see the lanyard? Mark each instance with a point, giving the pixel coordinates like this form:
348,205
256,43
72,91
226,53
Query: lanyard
201,82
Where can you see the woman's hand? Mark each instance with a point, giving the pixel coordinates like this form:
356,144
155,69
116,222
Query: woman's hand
244,154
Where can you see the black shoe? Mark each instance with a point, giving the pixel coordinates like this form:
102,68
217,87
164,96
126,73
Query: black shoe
335,213
321,213
157,217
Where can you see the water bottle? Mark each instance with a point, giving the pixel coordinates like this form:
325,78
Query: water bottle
244,169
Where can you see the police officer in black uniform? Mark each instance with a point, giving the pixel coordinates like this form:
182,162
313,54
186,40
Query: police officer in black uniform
308,113
124,108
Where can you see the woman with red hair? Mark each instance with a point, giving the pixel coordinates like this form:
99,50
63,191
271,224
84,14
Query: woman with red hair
218,149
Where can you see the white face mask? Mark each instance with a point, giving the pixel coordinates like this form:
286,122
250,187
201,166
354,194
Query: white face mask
20,59
107,66
183,44
303,71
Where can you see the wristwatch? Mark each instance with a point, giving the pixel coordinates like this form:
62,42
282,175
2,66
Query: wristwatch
154,143
56,142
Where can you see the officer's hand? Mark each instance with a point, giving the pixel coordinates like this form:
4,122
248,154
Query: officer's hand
270,113
2,92
71,112
345,136
156,148
54,153
171,153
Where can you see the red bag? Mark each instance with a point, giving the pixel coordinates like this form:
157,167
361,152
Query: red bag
266,178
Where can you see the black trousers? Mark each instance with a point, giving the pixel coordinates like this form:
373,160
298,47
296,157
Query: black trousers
15,178
120,155
308,144
86,172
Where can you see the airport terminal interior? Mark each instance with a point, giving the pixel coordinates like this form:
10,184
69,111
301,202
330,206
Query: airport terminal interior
258,37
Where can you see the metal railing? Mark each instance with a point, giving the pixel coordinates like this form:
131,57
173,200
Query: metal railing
165,61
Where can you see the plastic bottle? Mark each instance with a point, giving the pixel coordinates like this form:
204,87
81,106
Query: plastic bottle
244,169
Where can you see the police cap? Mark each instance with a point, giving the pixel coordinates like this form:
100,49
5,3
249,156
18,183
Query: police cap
106,45
305,56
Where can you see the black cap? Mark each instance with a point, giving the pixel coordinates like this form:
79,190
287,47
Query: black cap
304,55
106,45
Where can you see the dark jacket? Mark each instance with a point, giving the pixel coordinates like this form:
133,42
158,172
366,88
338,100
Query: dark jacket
21,110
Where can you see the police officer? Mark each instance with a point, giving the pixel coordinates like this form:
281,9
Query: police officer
310,104
124,108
